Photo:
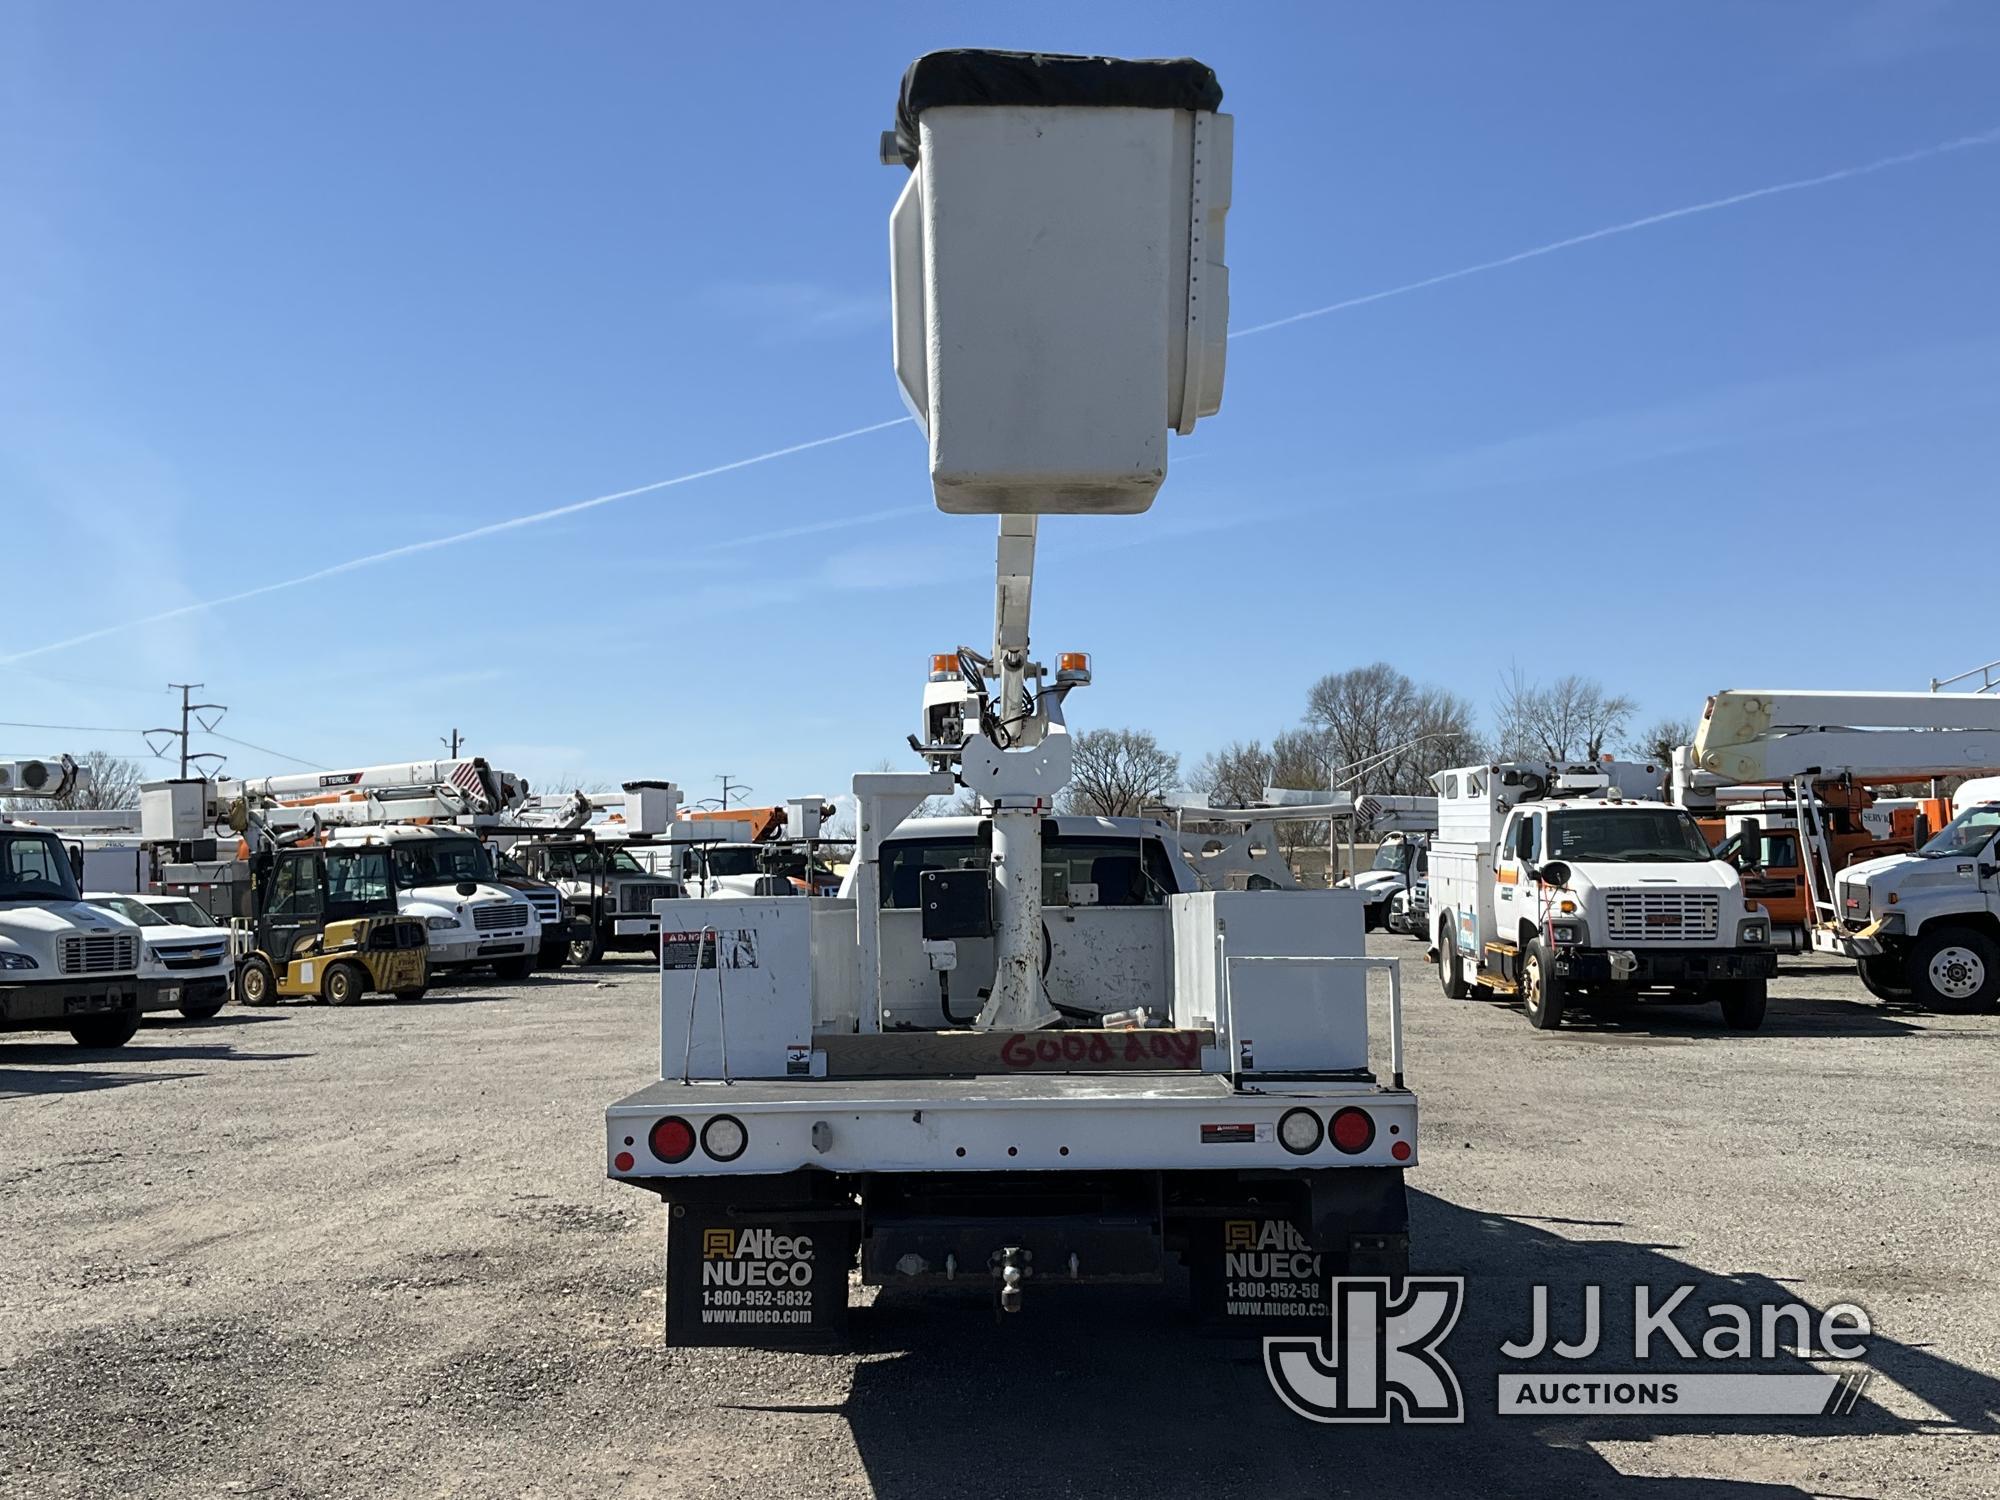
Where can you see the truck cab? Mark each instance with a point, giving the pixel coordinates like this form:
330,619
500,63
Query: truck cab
1926,926
1581,893
444,877
1105,884
1392,874
65,964
607,894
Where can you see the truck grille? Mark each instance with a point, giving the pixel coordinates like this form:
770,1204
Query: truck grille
1663,916
193,955
548,907
1854,901
500,916
640,897
100,953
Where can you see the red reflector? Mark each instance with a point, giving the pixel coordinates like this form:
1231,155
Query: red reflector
672,1139
622,1161
1400,1150
1352,1130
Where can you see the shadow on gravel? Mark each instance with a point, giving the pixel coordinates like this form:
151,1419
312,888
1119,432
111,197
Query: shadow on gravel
221,1021
1117,1395
18,1081
1641,1022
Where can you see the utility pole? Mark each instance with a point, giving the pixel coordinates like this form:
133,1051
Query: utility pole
728,786
191,710
452,742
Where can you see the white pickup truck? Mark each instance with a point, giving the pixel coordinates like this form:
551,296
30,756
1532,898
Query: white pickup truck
187,964
1554,884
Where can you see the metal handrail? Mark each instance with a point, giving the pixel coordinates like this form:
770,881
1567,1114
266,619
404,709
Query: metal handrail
1393,966
709,941
1987,681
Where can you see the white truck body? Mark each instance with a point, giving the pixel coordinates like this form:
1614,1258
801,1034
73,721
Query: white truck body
1547,881
1926,926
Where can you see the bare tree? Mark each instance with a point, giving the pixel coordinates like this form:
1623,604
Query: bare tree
1573,718
1658,740
113,783
1384,733
1117,772
1235,775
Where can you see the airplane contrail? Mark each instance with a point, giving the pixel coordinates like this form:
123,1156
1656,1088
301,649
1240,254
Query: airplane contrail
1799,184
409,549
1796,185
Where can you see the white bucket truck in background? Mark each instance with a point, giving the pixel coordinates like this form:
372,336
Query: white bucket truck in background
65,965
805,1119
1575,884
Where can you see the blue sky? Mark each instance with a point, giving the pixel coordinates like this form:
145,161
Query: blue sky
285,286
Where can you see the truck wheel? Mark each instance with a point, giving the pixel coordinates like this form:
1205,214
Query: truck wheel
202,1012
1743,1003
1955,968
586,951
1542,991
344,984
1451,973
514,970
1886,976
105,1031
1372,917
256,984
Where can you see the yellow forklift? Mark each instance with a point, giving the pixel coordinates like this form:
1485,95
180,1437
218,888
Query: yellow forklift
324,923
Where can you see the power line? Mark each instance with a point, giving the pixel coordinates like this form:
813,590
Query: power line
297,760
73,728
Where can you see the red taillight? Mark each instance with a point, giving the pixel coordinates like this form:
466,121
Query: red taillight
622,1161
1400,1150
672,1140
1352,1130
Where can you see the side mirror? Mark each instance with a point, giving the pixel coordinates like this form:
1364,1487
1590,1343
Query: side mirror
1752,852
467,888
1555,872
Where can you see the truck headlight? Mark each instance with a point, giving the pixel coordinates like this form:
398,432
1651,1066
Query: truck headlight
18,961
1753,931
1569,934
440,924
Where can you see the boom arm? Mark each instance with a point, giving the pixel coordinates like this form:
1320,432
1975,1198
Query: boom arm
1772,736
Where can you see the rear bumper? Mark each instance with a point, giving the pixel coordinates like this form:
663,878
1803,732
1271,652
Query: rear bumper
53,1004
1661,967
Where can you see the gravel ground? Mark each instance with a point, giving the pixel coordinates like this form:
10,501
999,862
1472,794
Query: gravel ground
370,1252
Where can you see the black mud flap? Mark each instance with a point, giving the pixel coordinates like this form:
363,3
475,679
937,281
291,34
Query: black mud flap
762,1278
1267,1271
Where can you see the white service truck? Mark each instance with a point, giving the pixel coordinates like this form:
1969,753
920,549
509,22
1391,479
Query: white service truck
1922,926
65,965
445,877
1573,885
1019,1054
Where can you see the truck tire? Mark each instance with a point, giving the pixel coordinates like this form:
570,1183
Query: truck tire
255,983
1955,969
1372,917
514,970
1543,994
1886,976
105,1031
1451,972
202,1012
343,984
1743,1002
586,951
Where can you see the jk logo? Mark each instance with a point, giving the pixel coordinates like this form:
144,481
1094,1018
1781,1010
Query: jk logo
1381,1355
